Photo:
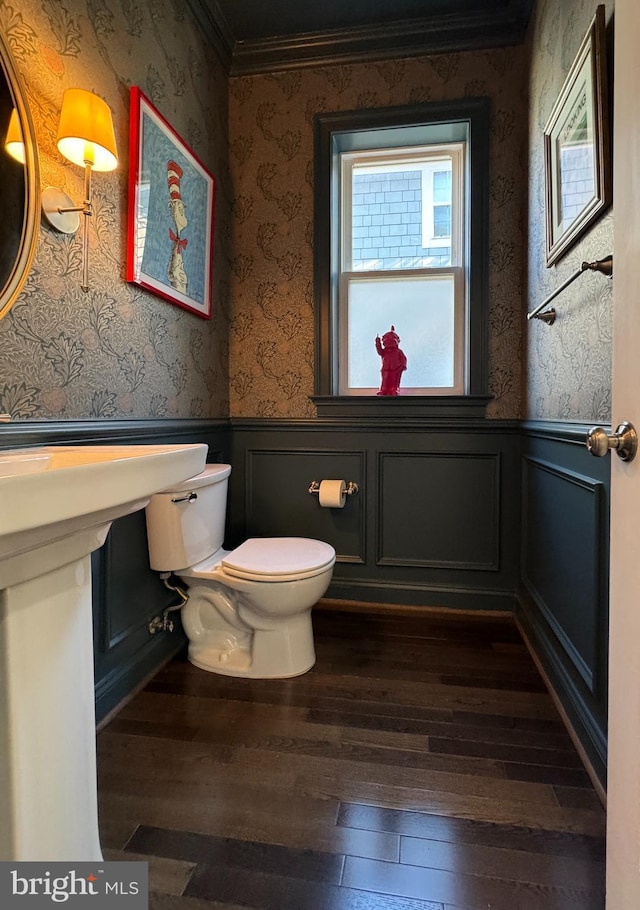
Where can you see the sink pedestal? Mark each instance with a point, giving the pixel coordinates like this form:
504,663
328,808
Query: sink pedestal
56,506
48,799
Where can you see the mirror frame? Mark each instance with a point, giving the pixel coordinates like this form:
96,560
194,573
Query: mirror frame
31,221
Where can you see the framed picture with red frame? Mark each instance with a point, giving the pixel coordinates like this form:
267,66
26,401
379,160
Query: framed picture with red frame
170,212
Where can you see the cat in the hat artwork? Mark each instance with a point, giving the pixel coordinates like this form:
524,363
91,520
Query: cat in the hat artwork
170,212
175,270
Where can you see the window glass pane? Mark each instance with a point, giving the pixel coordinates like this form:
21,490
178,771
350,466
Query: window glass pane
442,186
422,311
442,221
386,217
400,213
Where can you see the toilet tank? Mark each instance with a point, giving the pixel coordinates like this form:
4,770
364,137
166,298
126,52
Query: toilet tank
185,524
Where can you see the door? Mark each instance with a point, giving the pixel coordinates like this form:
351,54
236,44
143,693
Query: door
623,825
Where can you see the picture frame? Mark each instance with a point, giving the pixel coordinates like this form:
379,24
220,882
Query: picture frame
170,212
577,155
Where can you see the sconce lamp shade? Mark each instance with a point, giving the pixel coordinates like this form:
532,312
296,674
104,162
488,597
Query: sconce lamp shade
14,144
85,132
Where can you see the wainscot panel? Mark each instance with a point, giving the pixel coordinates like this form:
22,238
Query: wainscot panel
126,593
284,477
436,519
439,510
563,603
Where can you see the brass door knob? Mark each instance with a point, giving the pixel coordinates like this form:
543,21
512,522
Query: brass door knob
624,441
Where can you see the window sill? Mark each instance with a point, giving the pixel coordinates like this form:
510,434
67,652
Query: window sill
351,406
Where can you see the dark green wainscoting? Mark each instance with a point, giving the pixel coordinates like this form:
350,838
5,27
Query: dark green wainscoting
563,604
436,519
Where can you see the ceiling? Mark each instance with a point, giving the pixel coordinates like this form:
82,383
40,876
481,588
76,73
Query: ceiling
267,35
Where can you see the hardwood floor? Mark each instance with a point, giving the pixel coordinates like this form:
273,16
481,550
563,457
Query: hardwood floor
420,765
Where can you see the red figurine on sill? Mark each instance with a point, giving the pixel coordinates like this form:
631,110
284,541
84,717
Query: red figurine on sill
394,362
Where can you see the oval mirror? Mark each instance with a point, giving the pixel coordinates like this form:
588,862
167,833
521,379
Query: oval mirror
19,183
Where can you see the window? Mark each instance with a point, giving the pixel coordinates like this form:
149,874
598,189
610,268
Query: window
437,202
402,262
400,239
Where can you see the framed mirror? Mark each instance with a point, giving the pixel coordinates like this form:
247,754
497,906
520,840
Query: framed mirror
19,185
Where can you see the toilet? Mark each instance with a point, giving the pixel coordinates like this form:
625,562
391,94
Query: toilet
248,611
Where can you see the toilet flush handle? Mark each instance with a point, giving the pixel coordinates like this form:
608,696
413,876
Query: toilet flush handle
188,498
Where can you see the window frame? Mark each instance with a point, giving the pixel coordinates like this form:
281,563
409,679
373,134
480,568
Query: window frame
353,130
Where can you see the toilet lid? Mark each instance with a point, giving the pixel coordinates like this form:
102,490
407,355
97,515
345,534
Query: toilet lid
278,557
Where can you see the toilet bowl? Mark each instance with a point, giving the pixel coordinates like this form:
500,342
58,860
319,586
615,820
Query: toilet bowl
248,611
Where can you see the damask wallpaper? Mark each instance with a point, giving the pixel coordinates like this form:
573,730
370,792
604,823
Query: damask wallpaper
271,142
569,363
116,351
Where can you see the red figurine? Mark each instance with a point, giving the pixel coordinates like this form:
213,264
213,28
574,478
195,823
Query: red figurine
394,362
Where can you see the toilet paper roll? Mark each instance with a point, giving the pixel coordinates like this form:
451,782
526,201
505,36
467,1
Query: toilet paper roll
332,494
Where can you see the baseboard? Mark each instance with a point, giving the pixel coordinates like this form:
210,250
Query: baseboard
357,606
443,597
586,761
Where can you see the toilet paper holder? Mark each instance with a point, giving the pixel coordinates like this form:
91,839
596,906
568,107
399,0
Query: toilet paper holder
352,487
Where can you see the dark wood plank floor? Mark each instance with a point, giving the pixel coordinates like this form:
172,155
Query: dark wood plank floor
420,765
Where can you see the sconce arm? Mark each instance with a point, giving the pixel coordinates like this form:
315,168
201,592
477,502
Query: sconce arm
60,212
71,208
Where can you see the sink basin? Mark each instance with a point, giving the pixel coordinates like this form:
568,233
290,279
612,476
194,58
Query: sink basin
51,492
22,463
56,506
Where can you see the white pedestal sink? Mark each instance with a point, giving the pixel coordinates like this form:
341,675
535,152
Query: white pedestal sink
56,506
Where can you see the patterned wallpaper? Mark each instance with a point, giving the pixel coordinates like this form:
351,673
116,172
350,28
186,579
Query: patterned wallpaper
117,351
121,352
271,135
569,363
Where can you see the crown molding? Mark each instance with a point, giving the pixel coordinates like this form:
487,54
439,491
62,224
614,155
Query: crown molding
409,38
457,31
444,33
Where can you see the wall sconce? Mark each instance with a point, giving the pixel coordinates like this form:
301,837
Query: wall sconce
86,138
14,143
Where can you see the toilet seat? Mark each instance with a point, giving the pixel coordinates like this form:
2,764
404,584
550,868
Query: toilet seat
278,558
269,559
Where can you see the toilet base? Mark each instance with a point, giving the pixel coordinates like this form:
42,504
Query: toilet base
211,663
279,653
